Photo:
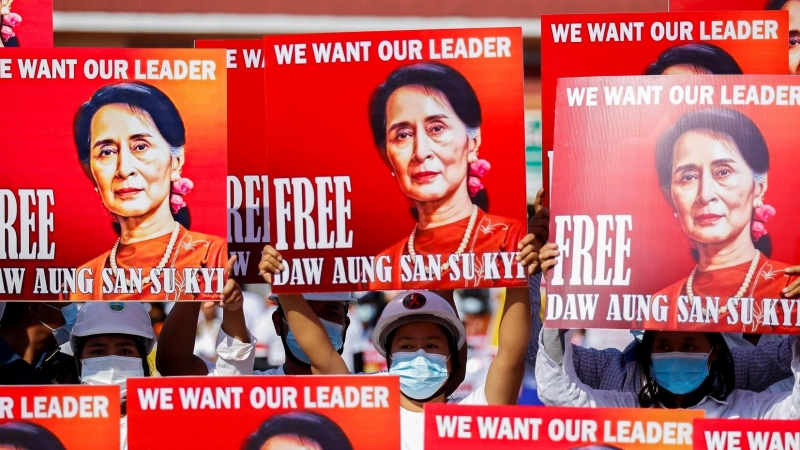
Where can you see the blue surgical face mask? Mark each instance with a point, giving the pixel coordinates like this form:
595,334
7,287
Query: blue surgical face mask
421,374
70,313
679,372
334,334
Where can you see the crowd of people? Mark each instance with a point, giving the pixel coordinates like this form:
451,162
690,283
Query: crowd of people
420,336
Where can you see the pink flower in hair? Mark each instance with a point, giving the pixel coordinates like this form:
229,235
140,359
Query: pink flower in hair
479,168
12,19
764,213
758,230
6,32
176,202
474,185
182,186
476,171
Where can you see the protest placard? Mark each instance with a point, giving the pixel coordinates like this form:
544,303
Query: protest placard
346,412
397,159
113,172
674,203
248,202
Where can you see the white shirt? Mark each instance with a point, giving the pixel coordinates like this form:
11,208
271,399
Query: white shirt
235,358
412,424
560,387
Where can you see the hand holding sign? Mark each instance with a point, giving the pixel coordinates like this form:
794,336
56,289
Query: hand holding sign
231,297
270,263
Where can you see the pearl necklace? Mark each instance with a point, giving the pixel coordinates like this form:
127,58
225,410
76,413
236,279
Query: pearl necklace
749,277
461,248
173,238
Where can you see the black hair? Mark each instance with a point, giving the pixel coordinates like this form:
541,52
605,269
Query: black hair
303,424
139,341
430,75
775,4
140,98
452,344
29,436
726,125
700,55
719,383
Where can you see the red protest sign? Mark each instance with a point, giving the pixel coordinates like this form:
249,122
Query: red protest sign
721,5
379,183
792,7
745,434
126,203
579,45
72,416
658,176
513,427
260,410
29,22
248,220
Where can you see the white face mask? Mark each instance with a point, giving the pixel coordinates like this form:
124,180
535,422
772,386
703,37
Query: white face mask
108,370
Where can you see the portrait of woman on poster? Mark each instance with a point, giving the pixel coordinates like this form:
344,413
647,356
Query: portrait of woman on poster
696,58
793,6
713,169
426,124
131,143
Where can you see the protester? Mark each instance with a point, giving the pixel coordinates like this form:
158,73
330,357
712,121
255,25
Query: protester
236,346
420,335
678,369
688,370
111,341
30,336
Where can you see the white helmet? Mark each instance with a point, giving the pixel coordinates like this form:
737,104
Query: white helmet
413,306
113,318
346,297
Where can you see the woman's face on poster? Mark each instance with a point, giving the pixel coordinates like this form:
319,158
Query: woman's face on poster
793,6
130,161
713,188
427,144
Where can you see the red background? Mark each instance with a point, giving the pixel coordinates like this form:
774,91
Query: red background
36,29
38,150
716,5
548,414
246,140
320,127
367,428
743,425
606,165
589,59
75,433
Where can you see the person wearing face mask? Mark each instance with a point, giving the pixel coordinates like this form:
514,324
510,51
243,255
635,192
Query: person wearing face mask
111,342
688,370
420,335
236,345
30,336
